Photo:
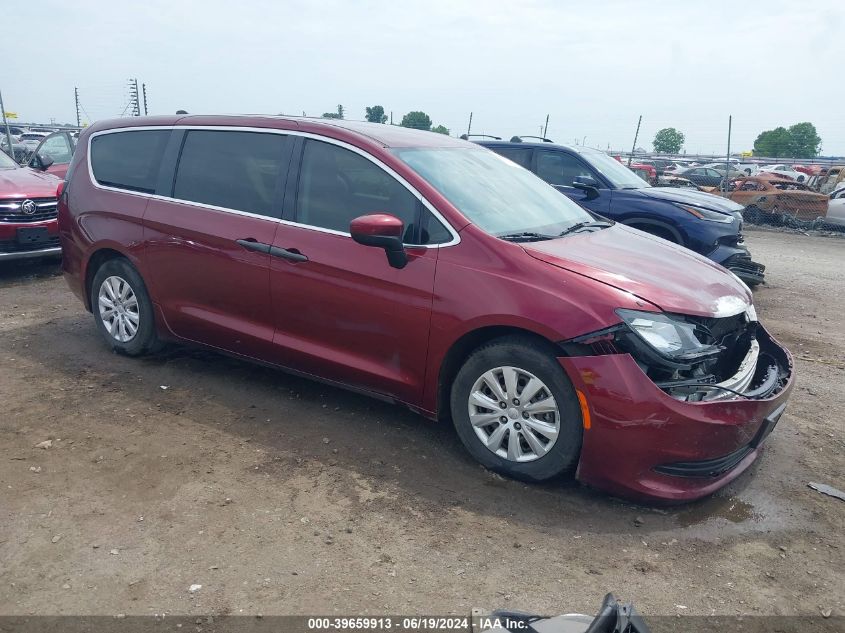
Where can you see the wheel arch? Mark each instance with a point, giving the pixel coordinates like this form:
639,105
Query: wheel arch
644,224
93,264
470,341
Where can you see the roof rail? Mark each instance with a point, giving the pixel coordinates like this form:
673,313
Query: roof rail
518,139
466,137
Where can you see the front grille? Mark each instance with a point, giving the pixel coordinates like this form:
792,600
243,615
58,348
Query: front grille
12,246
10,211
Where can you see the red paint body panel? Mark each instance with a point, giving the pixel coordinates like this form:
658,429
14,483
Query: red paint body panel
347,316
101,219
486,282
636,426
22,182
59,171
209,288
677,280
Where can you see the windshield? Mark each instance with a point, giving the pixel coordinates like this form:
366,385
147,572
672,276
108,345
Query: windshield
6,162
618,174
497,195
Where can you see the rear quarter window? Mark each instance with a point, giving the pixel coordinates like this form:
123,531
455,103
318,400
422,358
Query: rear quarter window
128,160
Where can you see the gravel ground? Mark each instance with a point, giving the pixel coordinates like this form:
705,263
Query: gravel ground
279,495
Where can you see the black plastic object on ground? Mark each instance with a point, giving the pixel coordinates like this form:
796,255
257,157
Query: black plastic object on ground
613,617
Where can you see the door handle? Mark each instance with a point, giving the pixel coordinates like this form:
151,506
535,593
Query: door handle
289,254
252,245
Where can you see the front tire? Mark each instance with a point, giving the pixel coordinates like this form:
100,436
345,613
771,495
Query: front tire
122,309
516,411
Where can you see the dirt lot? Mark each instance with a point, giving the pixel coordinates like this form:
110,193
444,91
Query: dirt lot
279,495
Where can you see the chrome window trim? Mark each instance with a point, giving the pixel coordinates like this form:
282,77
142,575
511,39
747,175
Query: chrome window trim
456,238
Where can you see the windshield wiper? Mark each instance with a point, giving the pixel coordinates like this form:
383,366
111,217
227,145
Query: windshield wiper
525,236
585,225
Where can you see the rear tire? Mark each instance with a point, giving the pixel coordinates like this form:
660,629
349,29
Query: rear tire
122,309
533,439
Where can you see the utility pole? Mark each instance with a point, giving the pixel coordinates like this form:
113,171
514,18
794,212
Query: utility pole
636,135
546,127
134,102
144,91
728,158
391,117
469,125
76,98
8,131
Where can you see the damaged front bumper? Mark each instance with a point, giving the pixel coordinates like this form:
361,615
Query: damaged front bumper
746,269
737,259
643,442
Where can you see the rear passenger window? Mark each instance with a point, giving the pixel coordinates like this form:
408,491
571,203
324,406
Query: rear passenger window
234,170
337,185
128,160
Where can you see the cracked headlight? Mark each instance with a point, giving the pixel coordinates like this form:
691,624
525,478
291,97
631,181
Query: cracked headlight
670,337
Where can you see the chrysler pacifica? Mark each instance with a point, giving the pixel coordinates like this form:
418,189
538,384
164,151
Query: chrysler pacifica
431,272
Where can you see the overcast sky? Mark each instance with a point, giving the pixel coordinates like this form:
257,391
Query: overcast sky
594,67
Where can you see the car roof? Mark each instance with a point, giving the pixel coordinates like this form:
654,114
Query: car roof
381,134
578,149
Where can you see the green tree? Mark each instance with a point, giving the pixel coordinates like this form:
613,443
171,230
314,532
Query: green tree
668,141
775,143
417,120
334,115
441,129
376,114
806,142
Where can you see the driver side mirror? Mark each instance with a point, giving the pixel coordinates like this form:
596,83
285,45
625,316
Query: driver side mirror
43,161
588,185
381,230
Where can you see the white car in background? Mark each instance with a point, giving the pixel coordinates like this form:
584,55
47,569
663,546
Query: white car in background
31,139
836,211
784,170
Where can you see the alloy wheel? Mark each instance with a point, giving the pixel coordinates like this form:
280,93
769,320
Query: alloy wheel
119,310
514,414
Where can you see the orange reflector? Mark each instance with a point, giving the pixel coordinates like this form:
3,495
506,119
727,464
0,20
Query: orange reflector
585,410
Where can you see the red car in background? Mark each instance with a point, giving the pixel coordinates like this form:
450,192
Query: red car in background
646,172
28,226
431,272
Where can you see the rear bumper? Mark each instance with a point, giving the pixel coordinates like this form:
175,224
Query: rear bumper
644,444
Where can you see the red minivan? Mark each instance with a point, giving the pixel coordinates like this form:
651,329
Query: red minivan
434,273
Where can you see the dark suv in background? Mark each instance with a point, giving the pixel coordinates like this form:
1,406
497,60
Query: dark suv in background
704,223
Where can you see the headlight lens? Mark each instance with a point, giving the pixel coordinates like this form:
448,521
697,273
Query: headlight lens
707,214
669,336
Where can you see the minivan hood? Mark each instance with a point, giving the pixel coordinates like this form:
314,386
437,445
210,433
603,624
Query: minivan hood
692,197
24,182
671,277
